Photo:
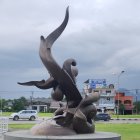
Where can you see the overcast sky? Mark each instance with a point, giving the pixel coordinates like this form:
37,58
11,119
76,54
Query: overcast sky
102,35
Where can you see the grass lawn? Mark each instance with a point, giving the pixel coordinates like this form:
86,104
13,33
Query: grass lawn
6,113
39,114
127,131
20,126
126,116
45,114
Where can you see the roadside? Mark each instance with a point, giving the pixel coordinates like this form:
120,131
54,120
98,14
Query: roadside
125,119
120,121
40,119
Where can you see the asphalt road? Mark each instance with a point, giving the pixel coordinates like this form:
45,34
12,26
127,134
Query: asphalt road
121,121
25,121
40,119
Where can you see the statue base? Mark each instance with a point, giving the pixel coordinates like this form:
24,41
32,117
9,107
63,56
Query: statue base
26,135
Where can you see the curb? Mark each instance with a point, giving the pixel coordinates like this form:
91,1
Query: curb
127,119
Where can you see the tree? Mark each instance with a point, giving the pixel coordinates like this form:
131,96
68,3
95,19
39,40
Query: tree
19,104
137,106
2,103
23,100
121,109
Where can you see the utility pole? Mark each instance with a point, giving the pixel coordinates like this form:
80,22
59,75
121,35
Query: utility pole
118,97
136,101
31,98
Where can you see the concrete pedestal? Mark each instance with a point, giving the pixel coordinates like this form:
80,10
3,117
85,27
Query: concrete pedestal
25,135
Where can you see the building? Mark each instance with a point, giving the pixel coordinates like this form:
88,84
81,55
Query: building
39,104
44,104
124,102
107,93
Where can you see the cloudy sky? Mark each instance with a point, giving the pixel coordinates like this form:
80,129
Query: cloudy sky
102,35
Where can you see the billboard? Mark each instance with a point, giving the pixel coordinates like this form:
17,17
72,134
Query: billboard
97,83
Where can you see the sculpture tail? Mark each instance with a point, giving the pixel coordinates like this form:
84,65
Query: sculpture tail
52,37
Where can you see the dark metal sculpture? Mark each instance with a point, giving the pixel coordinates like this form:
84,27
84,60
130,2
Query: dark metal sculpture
79,112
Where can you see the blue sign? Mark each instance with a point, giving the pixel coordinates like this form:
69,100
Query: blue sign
97,83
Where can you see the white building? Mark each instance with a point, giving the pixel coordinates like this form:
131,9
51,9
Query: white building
107,93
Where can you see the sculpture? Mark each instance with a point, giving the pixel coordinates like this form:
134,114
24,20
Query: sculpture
79,112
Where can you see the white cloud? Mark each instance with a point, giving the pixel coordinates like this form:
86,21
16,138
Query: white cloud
102,35
33,73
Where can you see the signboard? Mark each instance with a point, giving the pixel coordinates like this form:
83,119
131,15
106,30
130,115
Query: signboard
97,83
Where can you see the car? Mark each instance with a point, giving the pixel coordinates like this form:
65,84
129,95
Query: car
102,116
24,114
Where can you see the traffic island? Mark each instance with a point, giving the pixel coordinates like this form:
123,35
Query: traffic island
26,135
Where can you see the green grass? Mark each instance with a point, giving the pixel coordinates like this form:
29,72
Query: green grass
39,114
45,114
6,113
126,116
127,131
21,126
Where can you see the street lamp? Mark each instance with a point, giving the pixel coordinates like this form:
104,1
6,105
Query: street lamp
118,83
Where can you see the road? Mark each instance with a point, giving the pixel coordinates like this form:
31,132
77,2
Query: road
115,121
40,119
25,121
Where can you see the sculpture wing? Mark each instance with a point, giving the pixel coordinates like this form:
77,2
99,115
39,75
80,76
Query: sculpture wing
50,83
32,83
60,75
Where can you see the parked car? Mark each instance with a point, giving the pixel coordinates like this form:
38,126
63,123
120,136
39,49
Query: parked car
24,114
102,116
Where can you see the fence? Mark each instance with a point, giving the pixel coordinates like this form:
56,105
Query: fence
3,125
